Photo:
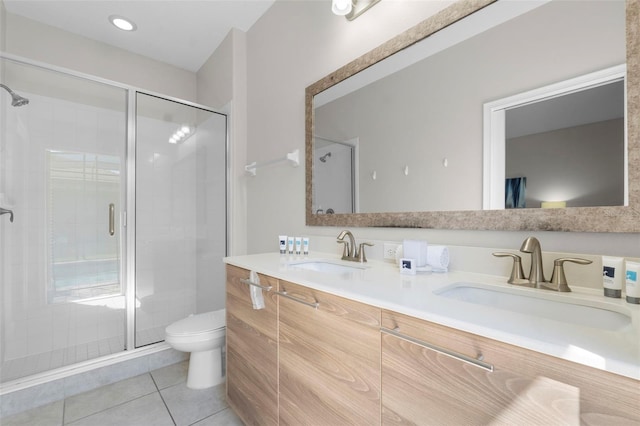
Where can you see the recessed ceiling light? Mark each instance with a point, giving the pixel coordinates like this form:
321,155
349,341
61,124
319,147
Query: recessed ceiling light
122,23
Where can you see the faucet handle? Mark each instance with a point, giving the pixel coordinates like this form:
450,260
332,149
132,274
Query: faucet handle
346,250
517,274
361,256
558,279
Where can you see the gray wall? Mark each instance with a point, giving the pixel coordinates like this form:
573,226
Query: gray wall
582,165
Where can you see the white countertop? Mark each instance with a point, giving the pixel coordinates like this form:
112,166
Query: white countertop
380,284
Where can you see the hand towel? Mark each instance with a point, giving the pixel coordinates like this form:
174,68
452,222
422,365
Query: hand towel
438,258
256,292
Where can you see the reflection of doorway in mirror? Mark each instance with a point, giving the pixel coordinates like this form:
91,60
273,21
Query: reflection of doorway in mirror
568,138
335,177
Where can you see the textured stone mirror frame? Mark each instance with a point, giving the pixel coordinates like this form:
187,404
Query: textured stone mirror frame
574,219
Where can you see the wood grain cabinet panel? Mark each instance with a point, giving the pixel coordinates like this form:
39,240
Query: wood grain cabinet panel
329,359
252,350
422,386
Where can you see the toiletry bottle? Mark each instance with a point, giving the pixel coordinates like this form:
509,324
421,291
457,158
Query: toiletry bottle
290,243
632,287
305,245
283,244
298,245
612,273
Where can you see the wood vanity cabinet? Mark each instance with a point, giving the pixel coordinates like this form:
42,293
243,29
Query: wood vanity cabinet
329,359
252,350
422,386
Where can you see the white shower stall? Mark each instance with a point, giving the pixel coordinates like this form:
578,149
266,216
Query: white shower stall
118,200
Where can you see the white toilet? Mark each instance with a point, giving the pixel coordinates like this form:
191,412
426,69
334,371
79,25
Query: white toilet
203,335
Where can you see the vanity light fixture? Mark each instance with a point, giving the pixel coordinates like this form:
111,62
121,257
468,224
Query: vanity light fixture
351,9
341,7
123,23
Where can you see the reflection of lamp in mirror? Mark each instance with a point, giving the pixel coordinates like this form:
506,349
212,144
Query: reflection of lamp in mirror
553,204
182,134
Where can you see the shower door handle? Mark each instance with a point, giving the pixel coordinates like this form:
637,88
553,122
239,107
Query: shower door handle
112,219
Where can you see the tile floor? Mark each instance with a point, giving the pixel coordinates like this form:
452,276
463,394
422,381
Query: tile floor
158,398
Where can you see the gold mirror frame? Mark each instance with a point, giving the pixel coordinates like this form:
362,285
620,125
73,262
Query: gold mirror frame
574,219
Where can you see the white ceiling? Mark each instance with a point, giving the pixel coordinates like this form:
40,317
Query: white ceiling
183,33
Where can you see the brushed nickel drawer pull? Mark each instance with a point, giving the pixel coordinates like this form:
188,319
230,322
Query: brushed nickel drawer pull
249,282
475,362
283,293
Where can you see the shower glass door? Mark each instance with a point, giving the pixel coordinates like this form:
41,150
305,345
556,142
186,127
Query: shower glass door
180,213
62,174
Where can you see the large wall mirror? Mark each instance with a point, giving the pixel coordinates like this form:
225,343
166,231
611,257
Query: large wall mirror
398,137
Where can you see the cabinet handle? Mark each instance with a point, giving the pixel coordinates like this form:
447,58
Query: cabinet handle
249,282
283,293
476,362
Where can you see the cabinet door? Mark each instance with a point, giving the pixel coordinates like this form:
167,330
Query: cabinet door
423,386
329,359
252,351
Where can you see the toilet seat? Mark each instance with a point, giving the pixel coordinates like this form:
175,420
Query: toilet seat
200,325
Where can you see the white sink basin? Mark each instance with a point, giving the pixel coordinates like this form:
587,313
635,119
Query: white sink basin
594,314
326,266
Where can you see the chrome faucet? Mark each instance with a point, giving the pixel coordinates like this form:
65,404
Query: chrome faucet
531,245
351,251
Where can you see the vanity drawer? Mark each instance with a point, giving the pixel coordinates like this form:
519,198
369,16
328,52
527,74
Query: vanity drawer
329,359
454,377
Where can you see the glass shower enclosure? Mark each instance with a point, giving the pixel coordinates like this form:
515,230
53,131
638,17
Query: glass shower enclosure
113,219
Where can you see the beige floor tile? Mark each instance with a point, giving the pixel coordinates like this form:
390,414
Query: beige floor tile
171,375
105,397
47,415
145,411
188,406
225,417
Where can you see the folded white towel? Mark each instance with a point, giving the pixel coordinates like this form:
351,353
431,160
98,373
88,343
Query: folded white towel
256,292
438,258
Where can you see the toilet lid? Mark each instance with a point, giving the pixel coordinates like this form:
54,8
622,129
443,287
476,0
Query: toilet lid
200,323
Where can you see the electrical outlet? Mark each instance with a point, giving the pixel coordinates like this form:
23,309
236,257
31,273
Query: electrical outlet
390,250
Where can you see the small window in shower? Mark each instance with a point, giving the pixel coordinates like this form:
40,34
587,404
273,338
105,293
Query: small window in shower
83,196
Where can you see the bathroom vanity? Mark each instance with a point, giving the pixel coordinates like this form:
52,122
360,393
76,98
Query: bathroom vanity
348,343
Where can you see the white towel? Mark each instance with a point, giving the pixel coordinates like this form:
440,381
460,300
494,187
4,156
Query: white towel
256,292
438,258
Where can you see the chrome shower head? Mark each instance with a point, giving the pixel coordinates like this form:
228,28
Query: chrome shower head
324,157
16,100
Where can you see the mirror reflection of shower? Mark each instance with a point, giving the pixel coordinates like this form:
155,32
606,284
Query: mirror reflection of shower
16,100
324,157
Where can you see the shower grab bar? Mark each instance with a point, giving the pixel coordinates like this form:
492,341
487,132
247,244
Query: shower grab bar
476,362
7,211
249,282
112,219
